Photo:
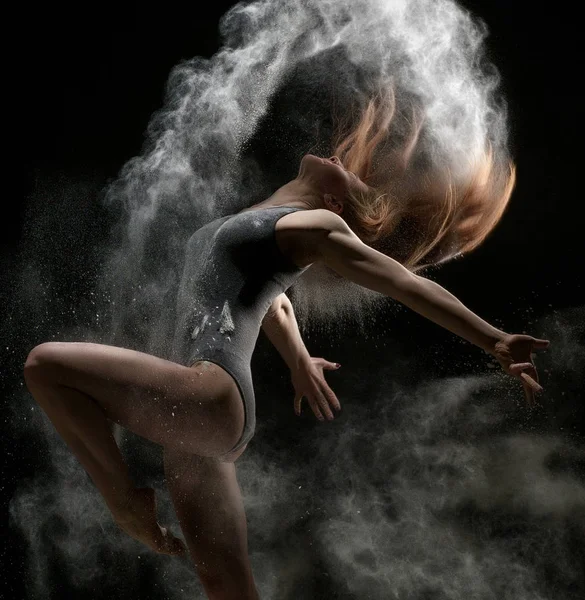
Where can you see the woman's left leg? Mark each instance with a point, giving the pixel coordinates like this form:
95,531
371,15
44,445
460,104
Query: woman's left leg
210,509
83,386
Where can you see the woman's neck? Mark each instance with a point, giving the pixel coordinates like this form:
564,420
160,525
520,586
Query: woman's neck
295,193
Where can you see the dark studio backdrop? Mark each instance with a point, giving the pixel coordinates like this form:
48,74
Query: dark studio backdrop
435,481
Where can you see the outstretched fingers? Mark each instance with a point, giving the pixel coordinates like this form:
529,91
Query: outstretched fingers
318,404
515,354
528,375
540,344
531,381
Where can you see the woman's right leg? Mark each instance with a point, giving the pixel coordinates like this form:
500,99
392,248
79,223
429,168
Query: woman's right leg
209,506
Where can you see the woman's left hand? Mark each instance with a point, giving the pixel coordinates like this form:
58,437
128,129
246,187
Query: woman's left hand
514,353
309,382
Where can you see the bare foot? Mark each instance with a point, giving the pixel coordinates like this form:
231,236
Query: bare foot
138,520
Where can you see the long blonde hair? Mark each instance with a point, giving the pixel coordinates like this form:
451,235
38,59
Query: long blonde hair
415,211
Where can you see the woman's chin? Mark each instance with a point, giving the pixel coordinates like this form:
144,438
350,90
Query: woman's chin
306,162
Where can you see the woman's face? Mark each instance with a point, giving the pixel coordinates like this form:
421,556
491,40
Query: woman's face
330,176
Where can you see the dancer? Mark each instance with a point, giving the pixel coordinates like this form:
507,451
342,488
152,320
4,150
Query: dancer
374,227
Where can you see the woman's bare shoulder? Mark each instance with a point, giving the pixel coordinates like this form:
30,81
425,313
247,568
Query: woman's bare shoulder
298,233
317,219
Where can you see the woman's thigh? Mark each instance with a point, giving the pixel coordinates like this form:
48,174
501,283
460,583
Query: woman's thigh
191,409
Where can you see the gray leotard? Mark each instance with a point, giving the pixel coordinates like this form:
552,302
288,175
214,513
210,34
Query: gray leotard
233,271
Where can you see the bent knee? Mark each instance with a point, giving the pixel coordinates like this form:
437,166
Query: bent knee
42,361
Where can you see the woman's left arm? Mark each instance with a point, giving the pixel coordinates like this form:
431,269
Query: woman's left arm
512,351
341,250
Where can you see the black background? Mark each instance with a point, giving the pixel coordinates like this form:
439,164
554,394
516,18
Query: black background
94,77
94,74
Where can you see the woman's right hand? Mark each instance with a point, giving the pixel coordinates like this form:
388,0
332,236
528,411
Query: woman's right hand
513,352
309,382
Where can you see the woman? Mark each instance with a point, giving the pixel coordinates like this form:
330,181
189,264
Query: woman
201,407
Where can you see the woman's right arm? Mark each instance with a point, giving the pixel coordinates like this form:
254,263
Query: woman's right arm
281,328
